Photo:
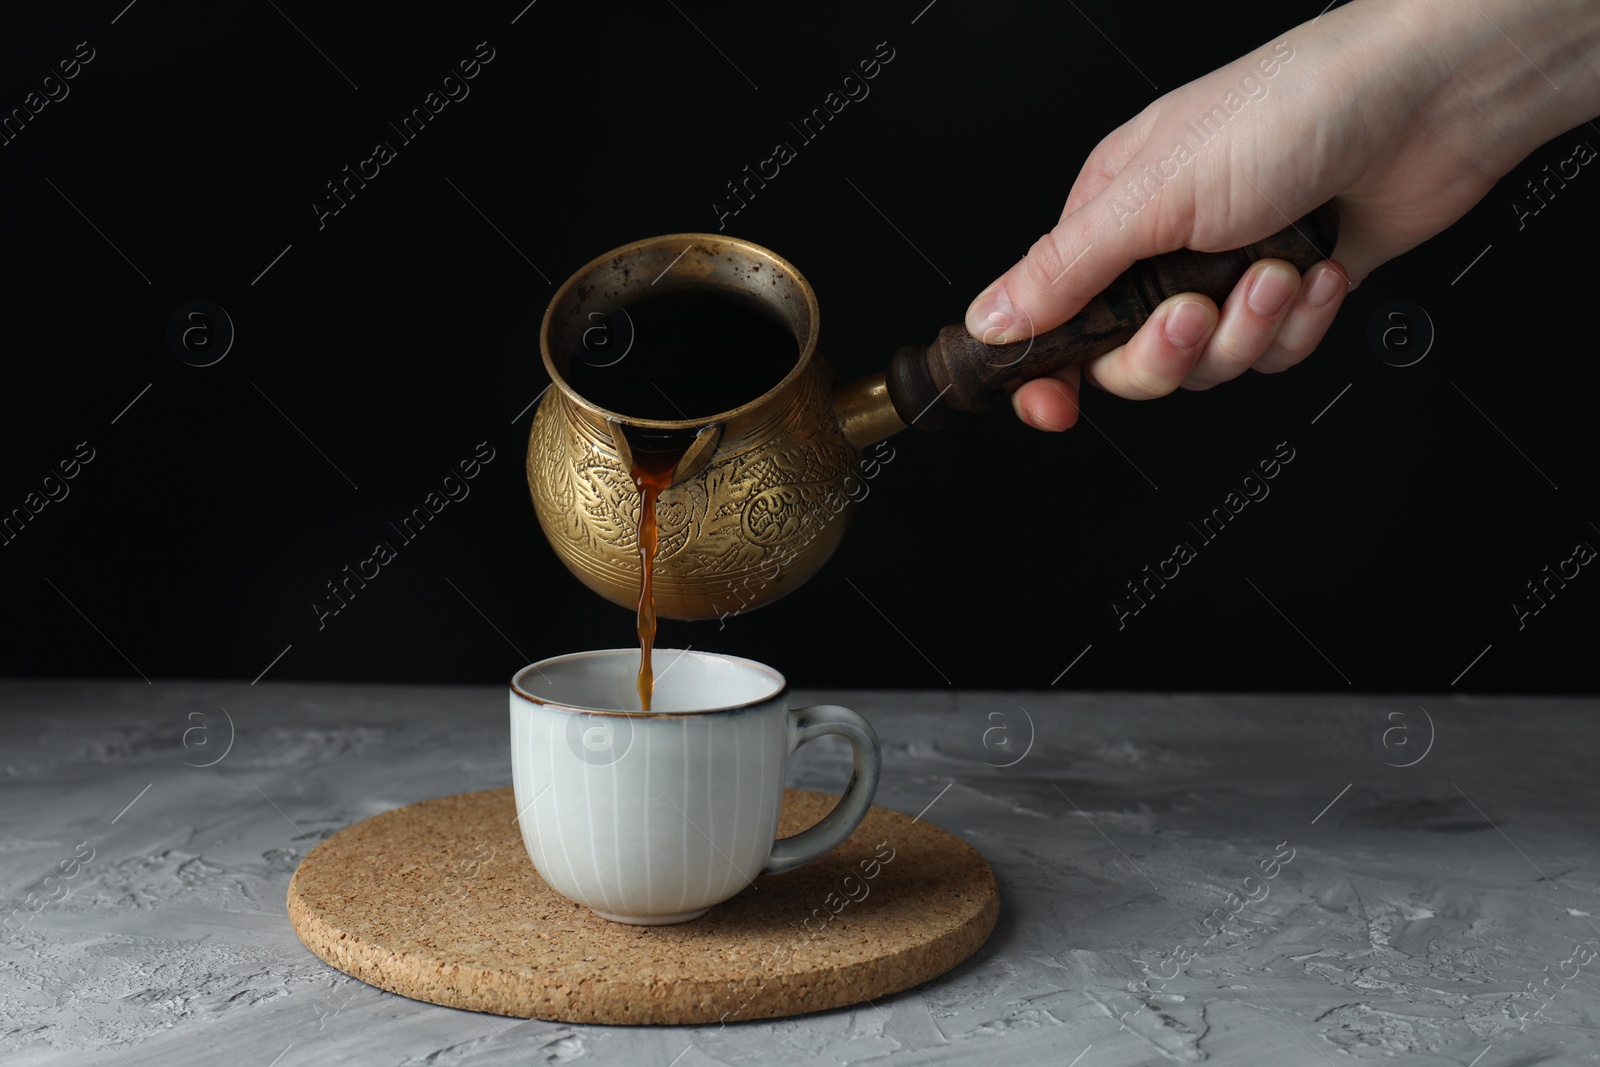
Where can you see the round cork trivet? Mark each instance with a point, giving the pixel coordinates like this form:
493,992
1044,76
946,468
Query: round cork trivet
439,902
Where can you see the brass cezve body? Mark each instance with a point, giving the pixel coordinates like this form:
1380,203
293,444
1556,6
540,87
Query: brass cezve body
761,498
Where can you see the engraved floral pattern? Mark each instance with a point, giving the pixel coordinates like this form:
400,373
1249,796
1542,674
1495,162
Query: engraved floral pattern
770,503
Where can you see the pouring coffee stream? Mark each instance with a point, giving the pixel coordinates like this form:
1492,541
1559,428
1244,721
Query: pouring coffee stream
757,496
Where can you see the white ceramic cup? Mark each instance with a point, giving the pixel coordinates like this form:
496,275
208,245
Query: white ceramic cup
652,817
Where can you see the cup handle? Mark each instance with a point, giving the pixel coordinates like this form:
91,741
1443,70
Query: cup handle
806,724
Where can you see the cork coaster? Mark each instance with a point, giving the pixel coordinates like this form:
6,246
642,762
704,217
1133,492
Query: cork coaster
438,901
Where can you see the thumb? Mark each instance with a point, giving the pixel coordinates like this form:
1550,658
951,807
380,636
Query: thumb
1072,264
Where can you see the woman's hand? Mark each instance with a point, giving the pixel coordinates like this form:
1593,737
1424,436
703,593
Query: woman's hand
1405,112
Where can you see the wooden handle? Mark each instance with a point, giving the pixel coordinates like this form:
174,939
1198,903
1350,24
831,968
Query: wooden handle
958,372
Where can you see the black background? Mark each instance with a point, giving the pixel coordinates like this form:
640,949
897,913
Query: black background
403,333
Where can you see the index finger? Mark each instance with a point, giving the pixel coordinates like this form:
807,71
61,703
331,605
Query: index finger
1065,269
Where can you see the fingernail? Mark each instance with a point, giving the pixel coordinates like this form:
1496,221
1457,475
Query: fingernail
1033,417
991,316
1271,290
1037,418
1186,324
1324,287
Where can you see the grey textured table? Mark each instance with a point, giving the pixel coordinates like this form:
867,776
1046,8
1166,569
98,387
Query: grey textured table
1436,913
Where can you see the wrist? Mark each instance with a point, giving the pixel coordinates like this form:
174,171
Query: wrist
1507,75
